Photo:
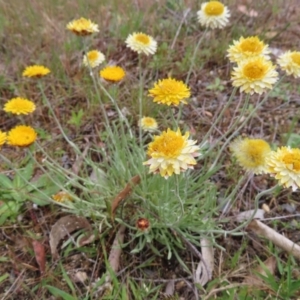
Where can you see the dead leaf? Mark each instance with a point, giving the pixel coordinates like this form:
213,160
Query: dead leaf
114,257
39,252
124,193
275,237
63,228
80,276
116,249
206,265
270,264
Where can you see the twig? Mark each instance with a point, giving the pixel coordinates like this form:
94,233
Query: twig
16,284
275,237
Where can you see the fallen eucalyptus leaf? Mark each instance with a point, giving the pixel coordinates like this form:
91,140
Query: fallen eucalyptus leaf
63,228
269,264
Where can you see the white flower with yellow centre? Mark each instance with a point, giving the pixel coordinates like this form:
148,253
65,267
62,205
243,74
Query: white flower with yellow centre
290,63
251,154
141,43
148,124
171,152
254,75
247,47
284,165
213,14
93,58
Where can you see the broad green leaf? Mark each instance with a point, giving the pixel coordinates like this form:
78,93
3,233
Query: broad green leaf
5,183
4,277
23,175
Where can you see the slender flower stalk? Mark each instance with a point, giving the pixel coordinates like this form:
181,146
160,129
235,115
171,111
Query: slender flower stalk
194,56
235,128
141,85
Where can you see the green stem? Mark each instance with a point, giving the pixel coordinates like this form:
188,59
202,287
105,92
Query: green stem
256,204
220,153
114,102
221,114
55,118
140,98
194,56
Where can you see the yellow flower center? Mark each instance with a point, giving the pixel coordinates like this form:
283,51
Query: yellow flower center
148,122
252,44
256,150
296,58
214,8
293,159
143,38
92,55
255,70
168,145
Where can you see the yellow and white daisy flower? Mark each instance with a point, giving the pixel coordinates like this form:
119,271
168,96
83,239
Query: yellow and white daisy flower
171,152
213,14
290,63
93,58
254,75
148,124
284,165
247,47
251,154
82,27
141,43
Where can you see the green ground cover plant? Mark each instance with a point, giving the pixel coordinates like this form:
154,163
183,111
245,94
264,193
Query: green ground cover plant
135,150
